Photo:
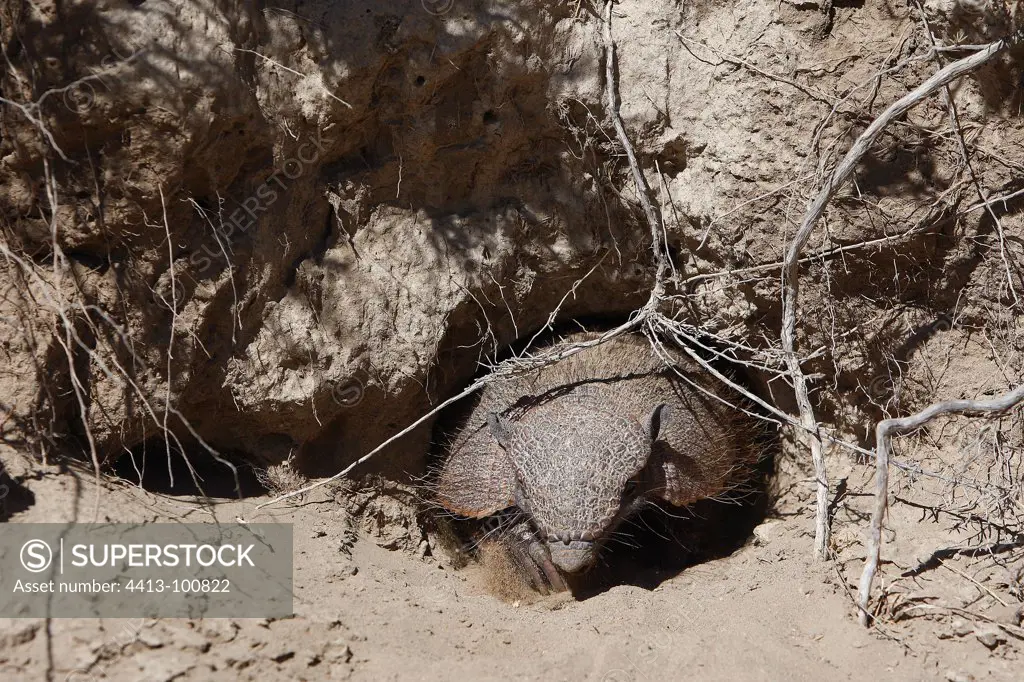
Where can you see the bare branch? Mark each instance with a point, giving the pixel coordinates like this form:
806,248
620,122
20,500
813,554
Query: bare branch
643,191
791,268
884,432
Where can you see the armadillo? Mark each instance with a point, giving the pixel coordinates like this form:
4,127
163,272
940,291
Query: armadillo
577,447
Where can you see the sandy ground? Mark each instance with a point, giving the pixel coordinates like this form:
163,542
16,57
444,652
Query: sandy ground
364,612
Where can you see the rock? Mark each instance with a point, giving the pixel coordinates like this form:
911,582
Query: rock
150,639
959,676
219,630
162,665
188,639
14,633
337,652
990,635
768,531
387,513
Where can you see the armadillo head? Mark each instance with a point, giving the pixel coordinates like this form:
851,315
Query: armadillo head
577,469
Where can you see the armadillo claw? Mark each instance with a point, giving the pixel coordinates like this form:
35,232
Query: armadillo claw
532,556
540,558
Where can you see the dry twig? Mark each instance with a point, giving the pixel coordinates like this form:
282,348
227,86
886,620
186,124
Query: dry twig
791,268
884,432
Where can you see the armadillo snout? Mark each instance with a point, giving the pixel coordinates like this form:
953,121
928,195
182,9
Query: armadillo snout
574,557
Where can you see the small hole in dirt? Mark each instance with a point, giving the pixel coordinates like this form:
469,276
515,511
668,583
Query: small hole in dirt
490,117
420,81
195,473
92,261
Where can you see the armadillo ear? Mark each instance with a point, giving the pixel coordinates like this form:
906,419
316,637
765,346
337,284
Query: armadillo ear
655,420
501,429
674,472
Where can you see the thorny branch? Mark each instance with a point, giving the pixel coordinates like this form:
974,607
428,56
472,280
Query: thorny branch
642,189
